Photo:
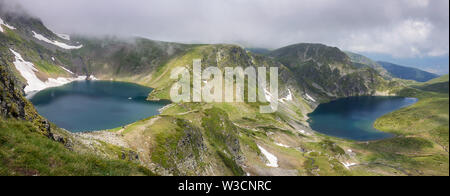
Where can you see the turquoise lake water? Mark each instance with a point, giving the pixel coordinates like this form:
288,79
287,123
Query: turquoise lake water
95,105
352,118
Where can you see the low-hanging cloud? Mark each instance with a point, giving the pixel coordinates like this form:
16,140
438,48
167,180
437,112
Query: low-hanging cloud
402,28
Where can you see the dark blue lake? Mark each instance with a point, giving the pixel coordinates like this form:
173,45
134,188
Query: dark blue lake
353,118
95,105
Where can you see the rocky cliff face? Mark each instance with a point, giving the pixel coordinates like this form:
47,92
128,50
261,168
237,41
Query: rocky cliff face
14,105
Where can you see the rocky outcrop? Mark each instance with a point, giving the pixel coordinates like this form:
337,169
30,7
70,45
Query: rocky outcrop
180,151
12,103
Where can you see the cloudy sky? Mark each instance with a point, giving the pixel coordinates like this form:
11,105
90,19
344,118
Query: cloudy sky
400,29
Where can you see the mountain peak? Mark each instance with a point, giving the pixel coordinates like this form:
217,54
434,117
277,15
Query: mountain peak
312,51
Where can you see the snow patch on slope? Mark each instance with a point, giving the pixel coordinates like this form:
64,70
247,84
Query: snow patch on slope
6,25
282,145
269,97
303,132
63,36
273,160
348,164
310,98
56,43
67,70
27,70
287,98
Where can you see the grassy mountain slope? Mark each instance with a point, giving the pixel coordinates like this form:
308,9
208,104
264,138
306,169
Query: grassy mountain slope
112,57
23,151
407,73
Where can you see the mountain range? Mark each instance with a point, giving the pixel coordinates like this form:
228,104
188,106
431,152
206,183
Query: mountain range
209,138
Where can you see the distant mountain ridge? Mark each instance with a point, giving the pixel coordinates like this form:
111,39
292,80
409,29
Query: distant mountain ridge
407,73
362,61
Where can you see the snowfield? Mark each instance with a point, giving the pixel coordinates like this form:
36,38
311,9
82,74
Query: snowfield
6,25
273,160
56,43
34,84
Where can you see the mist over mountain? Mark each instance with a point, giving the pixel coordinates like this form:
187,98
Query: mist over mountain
420,27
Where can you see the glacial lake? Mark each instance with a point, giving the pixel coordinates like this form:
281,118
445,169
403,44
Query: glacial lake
353,118
95,105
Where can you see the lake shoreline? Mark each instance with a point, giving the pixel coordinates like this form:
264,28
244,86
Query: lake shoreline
360,124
